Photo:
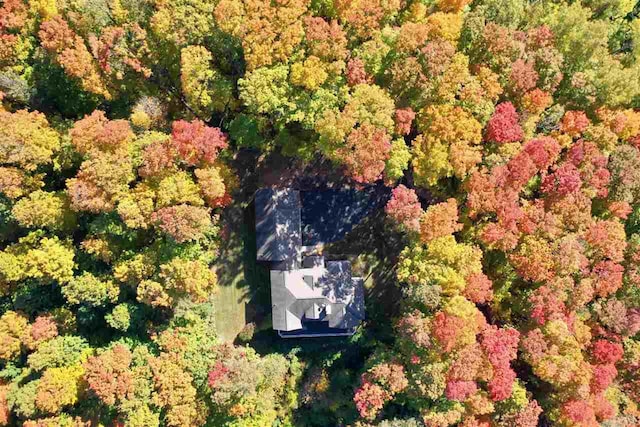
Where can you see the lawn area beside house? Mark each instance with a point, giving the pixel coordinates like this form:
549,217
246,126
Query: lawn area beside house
243,285
232,296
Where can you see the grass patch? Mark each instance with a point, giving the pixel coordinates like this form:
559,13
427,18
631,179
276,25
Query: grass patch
243,284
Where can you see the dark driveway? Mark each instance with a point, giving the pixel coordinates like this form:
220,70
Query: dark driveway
328,215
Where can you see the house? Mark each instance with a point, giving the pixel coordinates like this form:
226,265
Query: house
310,296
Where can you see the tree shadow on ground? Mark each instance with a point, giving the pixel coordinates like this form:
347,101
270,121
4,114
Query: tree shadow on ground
374,247
280,171
329,215
257,286
240,278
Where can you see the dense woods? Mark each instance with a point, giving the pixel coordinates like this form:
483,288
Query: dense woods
507,131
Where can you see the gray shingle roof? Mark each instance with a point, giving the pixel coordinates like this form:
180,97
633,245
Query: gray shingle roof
278,224
333,296
319,293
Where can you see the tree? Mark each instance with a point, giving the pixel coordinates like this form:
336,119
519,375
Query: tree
365,152
623,166
108,375
71,53
444,262
42,209
398,161
60,351
507,133
267,90
183,22
363,18
4,415
212,185
182,277
44,259
445,150
59,388
205,88
196,143
269,32
309,74
13,330
89,289
404,208
27,140
503,127
99,183
174,392
439,220
183,222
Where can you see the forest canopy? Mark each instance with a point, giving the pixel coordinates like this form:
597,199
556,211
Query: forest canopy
507,133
